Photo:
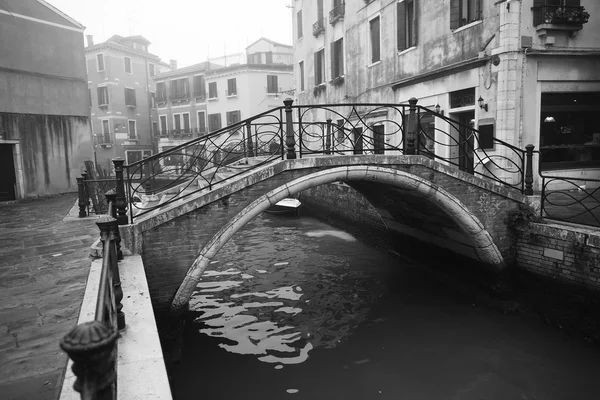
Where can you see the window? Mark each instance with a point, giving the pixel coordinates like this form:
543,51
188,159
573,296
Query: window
214,122
374,31
299,23
340,136
180,89
463,12
161,92
151,69
199,87
127,62
132,129
272,84
543,7
212,90
105,131
133,156
319,67
407,24
186,122
100,62
154,128
102,96
130,97
177,122
269,57
163,124
569,130
337,58
301,72
152,100
233,117
201,122
231,87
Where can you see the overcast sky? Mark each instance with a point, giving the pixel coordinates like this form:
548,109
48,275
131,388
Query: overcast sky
185,30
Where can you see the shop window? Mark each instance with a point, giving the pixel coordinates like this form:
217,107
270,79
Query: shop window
569,130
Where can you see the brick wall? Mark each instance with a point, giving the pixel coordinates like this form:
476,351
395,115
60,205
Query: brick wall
568,254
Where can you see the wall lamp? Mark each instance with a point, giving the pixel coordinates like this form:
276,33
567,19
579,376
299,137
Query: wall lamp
481,103
438,109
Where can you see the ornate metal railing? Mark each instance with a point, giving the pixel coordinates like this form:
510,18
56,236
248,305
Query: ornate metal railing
337,13
197,165
93,345
312,130
318,27
563,15
569,199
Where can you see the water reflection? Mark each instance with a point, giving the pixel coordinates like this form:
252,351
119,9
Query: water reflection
281,311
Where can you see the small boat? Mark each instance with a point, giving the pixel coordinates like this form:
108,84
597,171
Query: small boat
285,206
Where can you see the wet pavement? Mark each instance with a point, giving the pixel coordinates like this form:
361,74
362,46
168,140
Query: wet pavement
44,264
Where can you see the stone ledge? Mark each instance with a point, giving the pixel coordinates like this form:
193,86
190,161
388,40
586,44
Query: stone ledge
141,368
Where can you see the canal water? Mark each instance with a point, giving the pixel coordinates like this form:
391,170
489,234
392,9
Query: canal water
294,308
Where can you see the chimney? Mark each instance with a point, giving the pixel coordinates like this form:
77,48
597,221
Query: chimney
90,40
173,64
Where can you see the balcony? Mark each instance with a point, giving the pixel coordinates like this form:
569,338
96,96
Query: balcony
319,27
559,18
103,139
337,13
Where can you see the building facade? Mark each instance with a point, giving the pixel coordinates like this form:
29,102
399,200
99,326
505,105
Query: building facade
45,135
121,92
205,97
523,60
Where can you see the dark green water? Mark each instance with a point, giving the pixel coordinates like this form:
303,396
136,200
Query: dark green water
294,308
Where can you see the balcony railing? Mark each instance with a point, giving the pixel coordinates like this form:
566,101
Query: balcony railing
337,13
560,15
103,139
318,27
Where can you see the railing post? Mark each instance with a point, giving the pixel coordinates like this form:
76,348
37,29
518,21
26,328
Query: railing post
92,347
290,140
529,170
111,196
250,145
411,128
328,140
148,176
108,228
82,200
86,192
121,202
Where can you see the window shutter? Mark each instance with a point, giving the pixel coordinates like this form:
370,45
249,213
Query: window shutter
478,10
341,57
333,61
401,18
454,14
317,72
415,24
99,91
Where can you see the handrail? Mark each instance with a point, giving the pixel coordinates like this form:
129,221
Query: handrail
93,345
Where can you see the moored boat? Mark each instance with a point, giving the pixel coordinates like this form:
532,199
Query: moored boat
285,206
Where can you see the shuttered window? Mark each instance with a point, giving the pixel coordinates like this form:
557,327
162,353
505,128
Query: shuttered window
201,122
233,117
161,92
272,84
212,90
102,95
214,122
231,87
299,23
130,97
301,72
180,89
199,86
463,12
407,24
337,58
375,42
319,67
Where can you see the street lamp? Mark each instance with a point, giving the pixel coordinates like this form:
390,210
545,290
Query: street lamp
481,103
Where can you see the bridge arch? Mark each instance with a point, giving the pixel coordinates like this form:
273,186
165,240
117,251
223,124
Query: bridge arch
484,246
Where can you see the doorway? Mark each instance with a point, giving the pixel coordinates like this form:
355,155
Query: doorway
463,140
8,178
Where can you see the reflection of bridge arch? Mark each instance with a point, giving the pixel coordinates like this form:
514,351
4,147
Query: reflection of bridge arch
483,244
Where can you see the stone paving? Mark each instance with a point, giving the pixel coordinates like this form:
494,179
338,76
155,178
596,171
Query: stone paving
44,264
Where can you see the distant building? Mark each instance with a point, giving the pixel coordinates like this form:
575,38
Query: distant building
45,132
205,97
527,71
122,98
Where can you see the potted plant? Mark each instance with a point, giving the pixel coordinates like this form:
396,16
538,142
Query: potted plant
567,16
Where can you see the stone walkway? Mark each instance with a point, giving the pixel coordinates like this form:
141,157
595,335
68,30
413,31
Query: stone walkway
44,264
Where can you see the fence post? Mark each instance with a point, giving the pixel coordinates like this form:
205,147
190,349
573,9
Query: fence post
81,194
290,140
121,202
111,196
328,140
529,170
108,228
249,139
411,128
92,347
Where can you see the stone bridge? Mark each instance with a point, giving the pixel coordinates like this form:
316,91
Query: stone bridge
409,194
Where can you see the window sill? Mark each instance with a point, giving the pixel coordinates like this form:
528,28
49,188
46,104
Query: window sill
272,94
467,26
213,99
232,96
130,106
407,50
374,64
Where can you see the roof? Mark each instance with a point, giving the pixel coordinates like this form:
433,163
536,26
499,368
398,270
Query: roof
136,38
119,47
274,43
200,67
265,67
41,10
